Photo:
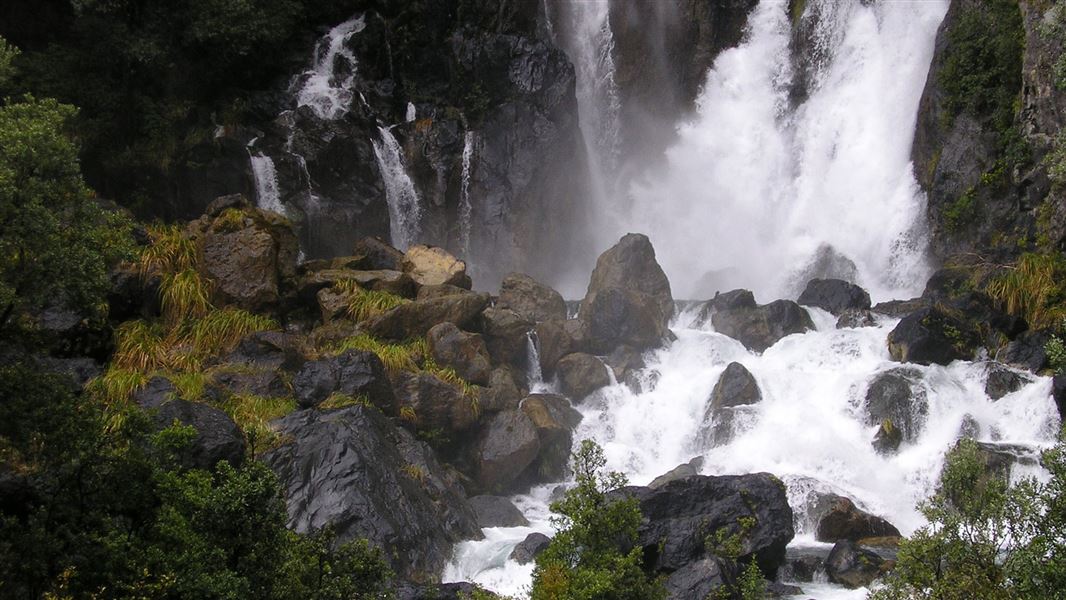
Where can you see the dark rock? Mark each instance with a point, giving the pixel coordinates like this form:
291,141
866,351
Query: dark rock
502,393
736,387
760,327
157,392
1027,351
257,382
531,299
378,254
224,203
803,565
413,319
429,292
131,294
681,471
429,265
437,405
896,400
680,515
628,299
698,579
554,420
506,336
332,304
530,548
497,511
841,520
80,371
776,589
853,566
854,318
556,338
462,351
1059,394
1002,381
899,308
932,336
509,444
268,350
442,591
217,436
353,373
353,470
834,295
581,374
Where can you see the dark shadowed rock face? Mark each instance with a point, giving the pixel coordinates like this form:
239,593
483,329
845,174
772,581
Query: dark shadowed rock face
353,373
497,511
353,470
268,350
554,420
842,520
528,549
853,566
1002,381
462,351
509,444
758,327
442,591
628,299
896,401
437,405
506,336
698,579
581,374
530,298
217,436
931,335
414,319
736,387
680,515
834,295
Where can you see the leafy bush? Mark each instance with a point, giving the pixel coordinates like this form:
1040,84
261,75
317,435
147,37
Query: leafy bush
1056,350
587,558
985,538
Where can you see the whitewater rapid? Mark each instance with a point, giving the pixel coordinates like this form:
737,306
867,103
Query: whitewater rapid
809,430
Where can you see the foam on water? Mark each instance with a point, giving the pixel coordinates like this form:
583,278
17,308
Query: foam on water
326,86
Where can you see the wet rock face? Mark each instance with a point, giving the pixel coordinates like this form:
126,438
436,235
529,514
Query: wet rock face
853,566
497,511
414,319
834,295
531,299
509,444
932,336
735,389
757,326
841,520
897,403
528,549
353,470
353,373
581,374
217,436
459,350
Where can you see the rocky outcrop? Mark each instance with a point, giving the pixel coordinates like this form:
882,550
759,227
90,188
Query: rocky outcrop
414,319
459,350
354,373
497,511
758,327
854,566
509,444
682,515
437,405
554,420
506,335
932,336
442,591
581,374
249,254
1002,381
531,299
528,549
354,471
735,389
839,519
835,296
217,436
896,402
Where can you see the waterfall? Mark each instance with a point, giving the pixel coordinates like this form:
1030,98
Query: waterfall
466,209
267,194
760,192
405,212
324,87
755,188
534,375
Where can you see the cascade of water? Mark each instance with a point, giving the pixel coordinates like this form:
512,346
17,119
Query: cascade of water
267,194
534,375
405,211
754,186
466,209
325,87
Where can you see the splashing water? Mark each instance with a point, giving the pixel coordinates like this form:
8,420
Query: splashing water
405,211
327,91
755,187
267,194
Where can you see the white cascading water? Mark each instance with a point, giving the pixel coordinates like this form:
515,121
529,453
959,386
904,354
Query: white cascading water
405,211
753,188
267,193
327,91
466,208
757,187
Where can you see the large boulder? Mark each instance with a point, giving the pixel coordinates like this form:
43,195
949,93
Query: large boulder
502,392
556,338
352,470
268,350
239,379
735,389
896,402
378,255
834,295
506,335
698,579
528,549
437,405
443,591
931,335
628,299
249,255
581,374
853,566
839,519
1001,380
1027,351
554,420
759,327
530,298
217,436
465,352
429,265
682,515
509,444
413,319
352,373
497,511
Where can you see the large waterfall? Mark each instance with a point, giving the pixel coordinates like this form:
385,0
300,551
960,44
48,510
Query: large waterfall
405,211
762,191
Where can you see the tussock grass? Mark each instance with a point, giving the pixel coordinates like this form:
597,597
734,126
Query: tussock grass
231,219
395,357
141,346
190,385
184,295
339,400
254,413
449,376
220,330
362,303
169,252
1034,288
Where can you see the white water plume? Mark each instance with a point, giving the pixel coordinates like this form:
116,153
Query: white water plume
466,208
324,87
405,210
753,187
267,192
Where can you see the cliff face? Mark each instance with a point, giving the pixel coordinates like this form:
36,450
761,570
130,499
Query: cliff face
987,120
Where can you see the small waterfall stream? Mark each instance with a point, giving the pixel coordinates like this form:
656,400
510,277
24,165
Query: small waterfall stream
466,208
267,193
405,211
325,87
